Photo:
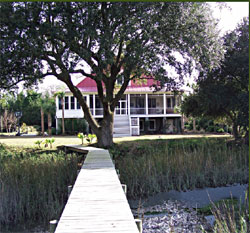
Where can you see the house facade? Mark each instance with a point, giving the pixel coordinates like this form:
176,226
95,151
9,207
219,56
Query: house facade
141,110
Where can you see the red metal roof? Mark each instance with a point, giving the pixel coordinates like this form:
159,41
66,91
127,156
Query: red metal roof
89,85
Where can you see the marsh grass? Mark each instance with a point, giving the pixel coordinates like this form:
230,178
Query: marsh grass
33,186
231,217
149,167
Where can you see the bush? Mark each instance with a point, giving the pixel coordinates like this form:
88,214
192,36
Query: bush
72,126
24,128
53,130
220,130
210,129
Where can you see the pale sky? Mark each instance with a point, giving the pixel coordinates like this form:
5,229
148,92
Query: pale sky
228,20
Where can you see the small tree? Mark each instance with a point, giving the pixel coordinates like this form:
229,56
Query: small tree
81,136
61,95
49,107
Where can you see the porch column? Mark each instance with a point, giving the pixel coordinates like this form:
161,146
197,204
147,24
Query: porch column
56,125
93,104
57,104
164,103
88,101
146,98
128,101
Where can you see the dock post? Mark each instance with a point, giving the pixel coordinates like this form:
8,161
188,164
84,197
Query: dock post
124,187
52,225
139,224
118,173
69,189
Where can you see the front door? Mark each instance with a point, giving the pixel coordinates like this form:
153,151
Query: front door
121,107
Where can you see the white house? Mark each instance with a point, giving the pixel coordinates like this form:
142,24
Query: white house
141,110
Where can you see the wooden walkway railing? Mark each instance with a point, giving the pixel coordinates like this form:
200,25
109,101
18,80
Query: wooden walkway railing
97,202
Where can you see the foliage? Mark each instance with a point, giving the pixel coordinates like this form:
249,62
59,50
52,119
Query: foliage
24,128
49,142
206,124
72,126
34,185
208,209
81,136
29,104
115,39
149,167
224,91
38,142
231,217
90,138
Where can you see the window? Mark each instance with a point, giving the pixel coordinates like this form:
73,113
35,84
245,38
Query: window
141,125
139,102
98,103
169,103
66,103
173,101
72,102
151,103
120,80
152,125
78,104
59,103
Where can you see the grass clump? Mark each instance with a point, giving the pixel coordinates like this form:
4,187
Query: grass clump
149,167
208,209
33,186
230,216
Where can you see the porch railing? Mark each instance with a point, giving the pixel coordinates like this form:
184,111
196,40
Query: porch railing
134,111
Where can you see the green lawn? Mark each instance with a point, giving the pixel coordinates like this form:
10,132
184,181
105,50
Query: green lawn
69,140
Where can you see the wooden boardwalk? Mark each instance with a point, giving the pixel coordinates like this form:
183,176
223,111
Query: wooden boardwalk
97,202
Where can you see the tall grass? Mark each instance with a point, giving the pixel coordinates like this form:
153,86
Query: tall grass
149,167
231,217
33,186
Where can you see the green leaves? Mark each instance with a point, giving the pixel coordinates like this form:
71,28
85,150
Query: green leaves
65,34
223,92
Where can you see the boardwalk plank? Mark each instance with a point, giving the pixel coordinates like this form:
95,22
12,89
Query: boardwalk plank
97,202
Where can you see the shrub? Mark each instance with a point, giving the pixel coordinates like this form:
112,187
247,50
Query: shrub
220,130
38,142
81,136
24,128
210,129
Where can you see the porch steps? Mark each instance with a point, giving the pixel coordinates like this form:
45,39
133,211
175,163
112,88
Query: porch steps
121,126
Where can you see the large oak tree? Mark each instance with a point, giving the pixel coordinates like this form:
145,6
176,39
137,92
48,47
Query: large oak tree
113,40
224,92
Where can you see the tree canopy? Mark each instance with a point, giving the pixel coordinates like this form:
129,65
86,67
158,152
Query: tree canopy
113,40
223,92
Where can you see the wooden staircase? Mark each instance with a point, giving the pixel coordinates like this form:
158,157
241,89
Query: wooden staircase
121,126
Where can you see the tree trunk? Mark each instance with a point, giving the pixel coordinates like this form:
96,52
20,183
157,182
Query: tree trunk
1,123
235,131
194,125
42,121
63,126
49,124
246,137
105,132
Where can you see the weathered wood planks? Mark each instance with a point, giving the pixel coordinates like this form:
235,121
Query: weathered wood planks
97,202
